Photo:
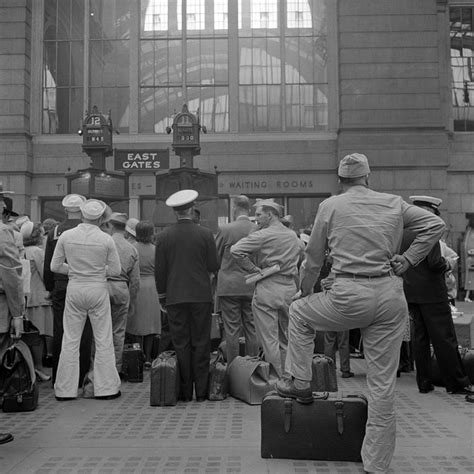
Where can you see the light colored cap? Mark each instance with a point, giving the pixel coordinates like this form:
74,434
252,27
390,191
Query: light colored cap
354,165
183,199
73,202
118,217
428,201
269,203
92,209
131,225
22,220
304,237
26,229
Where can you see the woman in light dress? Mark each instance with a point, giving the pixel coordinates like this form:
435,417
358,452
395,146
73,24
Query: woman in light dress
145,319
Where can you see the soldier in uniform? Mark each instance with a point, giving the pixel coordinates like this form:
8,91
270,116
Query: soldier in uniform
56,284
186,255
272,244
363,230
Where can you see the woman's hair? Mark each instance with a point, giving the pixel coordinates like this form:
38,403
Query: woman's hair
145,231
36,236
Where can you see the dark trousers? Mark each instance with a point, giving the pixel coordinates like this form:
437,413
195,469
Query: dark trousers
433,322
58,298
190,327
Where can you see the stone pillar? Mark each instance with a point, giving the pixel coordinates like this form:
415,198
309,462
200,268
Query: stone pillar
15,71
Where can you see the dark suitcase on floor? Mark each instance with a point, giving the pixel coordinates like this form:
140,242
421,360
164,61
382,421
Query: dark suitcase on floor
218,387
164,380
324,374
467,357
331,428
132,363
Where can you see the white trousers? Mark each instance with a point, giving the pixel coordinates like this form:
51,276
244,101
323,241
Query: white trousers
83,300
378,307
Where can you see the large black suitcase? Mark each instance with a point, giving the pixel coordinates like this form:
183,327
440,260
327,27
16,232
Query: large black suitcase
331,428
164,380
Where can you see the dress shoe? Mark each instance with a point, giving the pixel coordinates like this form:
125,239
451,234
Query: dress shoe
185,399
347,375
200,399
41,376
467,390
64,399
147,365
426,388
5,438
108,397
286,388
470,398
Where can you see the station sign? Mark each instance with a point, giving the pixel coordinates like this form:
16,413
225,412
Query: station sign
142,160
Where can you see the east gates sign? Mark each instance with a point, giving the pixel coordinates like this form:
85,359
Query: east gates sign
142,160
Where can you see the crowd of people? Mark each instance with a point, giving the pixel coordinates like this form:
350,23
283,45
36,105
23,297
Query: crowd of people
370,261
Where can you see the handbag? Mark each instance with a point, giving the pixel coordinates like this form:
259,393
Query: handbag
251,378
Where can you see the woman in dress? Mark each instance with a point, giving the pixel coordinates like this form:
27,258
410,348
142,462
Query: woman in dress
145,320
38,303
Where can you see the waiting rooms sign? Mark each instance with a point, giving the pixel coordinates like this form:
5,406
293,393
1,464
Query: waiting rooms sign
287,183
142,160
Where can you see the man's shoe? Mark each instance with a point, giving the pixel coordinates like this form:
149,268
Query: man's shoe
200,399
347,375
470,398
286,388
64,399
5,438
109,397
467,390
426,388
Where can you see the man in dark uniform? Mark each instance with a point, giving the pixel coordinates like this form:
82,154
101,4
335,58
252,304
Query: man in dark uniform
56,283
186,254
427,297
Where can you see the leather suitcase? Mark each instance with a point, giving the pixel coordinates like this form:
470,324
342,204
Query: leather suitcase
467,358
164,380
324,374
332,428
218,378
132,363
251,378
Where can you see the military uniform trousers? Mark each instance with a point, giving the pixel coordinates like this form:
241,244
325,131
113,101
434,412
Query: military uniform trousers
82,300
119,305
238,320
433,323
58,299
190,329
270,304
379,308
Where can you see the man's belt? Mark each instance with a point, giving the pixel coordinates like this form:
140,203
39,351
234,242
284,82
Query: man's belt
357,276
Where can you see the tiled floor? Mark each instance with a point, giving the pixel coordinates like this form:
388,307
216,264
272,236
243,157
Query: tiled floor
126,435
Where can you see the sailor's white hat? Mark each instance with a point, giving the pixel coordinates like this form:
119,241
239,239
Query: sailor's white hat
92,209
183,199
73,202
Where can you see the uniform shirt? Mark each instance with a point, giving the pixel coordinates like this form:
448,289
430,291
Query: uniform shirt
275,244
91,255
231,276
363,230
10,278
130,270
